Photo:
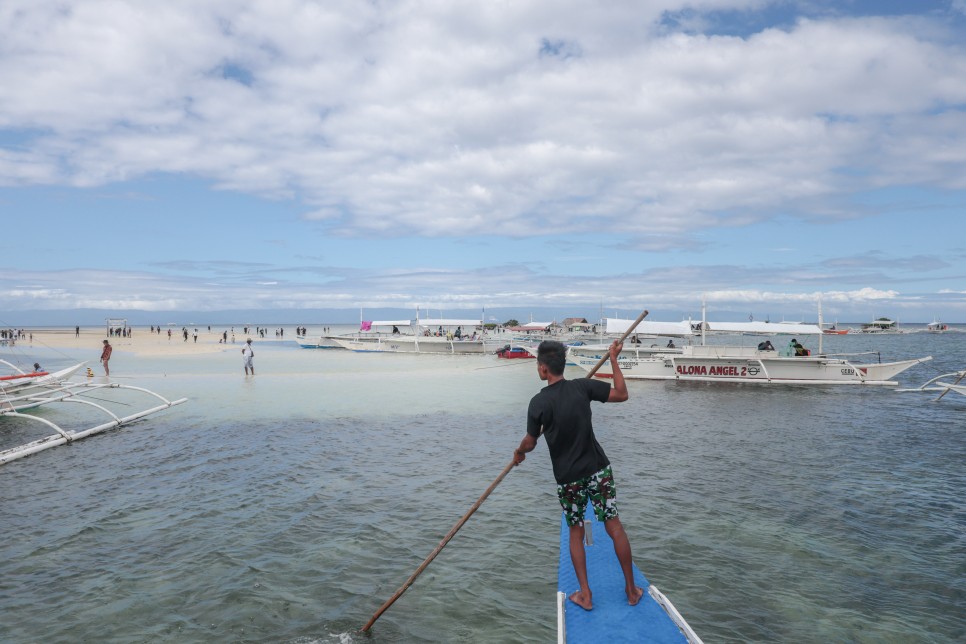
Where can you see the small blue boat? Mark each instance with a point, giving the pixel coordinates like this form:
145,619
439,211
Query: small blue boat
653,619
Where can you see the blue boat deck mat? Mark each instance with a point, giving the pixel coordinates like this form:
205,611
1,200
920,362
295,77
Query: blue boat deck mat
612,620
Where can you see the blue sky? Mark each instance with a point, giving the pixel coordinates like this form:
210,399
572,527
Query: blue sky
760,155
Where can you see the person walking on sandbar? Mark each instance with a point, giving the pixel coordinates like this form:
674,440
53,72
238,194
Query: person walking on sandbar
247,356
561,410
106,357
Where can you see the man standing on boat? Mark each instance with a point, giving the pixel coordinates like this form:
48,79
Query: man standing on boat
106,357
561,411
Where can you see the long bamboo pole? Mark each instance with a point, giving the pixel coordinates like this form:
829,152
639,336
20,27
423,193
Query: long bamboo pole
476,506
630,330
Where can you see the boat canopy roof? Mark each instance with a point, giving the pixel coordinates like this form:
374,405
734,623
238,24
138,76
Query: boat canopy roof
649,327
391,322
883,322
683,329
534,326
445,322
787,328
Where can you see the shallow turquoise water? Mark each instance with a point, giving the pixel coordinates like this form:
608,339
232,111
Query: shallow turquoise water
289,506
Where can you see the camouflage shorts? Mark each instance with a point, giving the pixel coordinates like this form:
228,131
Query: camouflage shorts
600,488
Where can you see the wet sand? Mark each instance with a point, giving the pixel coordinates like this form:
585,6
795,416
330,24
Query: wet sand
142,342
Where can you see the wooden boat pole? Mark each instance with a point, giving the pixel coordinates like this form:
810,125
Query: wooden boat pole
436,551
476,506
630,329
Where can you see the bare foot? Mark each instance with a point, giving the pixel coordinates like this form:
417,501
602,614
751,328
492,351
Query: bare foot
634,597
579,599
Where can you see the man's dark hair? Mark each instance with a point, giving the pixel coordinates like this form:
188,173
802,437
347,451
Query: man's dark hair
553,355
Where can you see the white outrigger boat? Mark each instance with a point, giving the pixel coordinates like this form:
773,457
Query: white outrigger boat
420,339
367,330
880,325
57,388
20,380
728,363
322,342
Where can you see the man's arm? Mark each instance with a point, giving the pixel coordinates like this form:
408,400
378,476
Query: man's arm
526,445
618,391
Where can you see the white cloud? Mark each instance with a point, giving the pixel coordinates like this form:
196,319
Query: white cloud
436,119
669,294
444,120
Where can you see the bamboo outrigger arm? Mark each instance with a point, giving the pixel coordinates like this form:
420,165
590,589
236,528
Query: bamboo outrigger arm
63,437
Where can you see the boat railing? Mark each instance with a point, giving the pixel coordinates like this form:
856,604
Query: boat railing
675,616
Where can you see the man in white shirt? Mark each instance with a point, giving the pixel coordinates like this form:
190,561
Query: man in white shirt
247,355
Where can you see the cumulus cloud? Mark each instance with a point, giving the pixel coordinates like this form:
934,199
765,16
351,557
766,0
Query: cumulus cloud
671,293
437,120
630,126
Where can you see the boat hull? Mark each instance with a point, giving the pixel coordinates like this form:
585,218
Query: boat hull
410,344
4,380
744,364
323,342
515,353
25,382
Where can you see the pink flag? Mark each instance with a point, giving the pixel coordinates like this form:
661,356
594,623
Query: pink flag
366,325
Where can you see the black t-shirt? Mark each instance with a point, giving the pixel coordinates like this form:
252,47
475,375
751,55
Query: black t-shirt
563,409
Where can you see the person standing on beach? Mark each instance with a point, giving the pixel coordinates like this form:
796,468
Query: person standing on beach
247,355
561,411
106,357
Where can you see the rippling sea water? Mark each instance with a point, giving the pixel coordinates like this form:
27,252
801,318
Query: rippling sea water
289,506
